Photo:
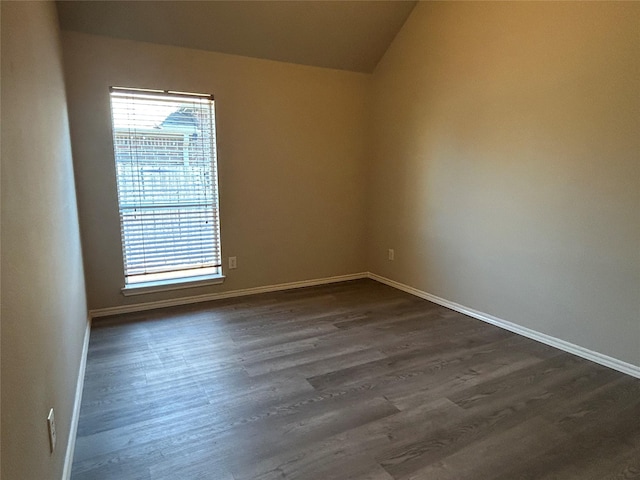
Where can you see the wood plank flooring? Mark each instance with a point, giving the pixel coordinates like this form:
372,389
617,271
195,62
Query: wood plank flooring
345,381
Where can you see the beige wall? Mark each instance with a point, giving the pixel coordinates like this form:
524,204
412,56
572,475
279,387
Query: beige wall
290,151
505,165
43,300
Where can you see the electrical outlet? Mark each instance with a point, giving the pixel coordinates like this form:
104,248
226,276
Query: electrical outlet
51,423
392,254
233,263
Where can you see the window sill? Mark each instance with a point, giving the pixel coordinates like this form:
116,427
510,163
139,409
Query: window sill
173,284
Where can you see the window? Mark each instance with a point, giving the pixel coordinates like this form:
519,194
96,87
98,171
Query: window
165,154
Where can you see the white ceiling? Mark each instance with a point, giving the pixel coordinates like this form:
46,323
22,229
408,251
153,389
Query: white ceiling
347,35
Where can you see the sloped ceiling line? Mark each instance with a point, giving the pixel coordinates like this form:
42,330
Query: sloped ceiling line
345,35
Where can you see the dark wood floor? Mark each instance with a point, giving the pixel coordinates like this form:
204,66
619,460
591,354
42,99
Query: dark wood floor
345,381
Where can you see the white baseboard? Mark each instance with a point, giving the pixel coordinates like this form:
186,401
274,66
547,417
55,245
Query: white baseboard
607,361
75,414
139,307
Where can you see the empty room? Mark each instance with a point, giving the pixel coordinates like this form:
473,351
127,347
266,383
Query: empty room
366,240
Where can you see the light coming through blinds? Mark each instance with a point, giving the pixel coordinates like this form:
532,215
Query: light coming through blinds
165,153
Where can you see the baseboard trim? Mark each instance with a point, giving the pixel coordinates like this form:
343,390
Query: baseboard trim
139,307
607,361
75,415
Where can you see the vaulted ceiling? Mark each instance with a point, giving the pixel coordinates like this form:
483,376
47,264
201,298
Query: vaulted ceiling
346,35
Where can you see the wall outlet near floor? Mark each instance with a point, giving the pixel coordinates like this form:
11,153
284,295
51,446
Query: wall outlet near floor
392,254
51,423
233,263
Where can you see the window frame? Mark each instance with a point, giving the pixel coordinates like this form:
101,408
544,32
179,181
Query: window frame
208,212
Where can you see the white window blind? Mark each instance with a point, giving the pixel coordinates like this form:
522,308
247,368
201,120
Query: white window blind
165,153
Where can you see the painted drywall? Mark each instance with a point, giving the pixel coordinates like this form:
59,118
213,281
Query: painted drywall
44,310
505,167
291,143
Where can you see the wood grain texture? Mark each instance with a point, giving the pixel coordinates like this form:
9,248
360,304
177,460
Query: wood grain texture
344,381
